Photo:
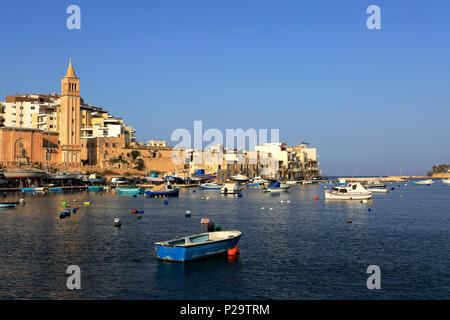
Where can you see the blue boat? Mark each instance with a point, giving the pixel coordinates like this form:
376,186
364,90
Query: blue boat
95,188
198,246
166,191
55,189
12,204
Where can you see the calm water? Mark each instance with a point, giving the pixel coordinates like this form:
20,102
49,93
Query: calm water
301,250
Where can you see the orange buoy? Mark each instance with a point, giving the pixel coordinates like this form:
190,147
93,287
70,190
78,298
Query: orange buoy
316,198
349,221
233,252
371,201
205,221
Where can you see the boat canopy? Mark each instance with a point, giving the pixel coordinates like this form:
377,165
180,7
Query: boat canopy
275,184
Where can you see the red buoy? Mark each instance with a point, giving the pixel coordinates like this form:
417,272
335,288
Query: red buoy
133,211
316,198
233,252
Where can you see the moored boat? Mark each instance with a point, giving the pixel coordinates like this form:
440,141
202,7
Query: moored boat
352,191
276,186
37,189
166,190
197,246
231,188
379,190
129,190
446,181
25,174
209,186
427,182
11,204
95,188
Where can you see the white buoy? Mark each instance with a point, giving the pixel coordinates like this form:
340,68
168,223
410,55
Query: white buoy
207,198
75,200
271,209
262,208
289,201
117,222
281,201
364,201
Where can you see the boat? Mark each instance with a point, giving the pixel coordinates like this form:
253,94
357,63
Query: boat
276,186
25,174
447,181
379,190
352,191
95,178
427,182
197,246
129,190
164,190
64,176
55,189
240,178
259,180
291,182
11,204
95,188
231,188
37,189
209,186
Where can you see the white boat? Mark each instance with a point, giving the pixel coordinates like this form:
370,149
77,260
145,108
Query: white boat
292,183
209,186
352,191
379,190
231,188
447,181
25,174
427,182
240,178
259,180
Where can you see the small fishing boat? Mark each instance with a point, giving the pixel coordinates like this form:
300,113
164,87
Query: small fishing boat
165,190
446,181
129,190
38,189
427,182
231,188
55,189
352,191
240,178
379,190
95,188
276,186
209,186
11,204
197,246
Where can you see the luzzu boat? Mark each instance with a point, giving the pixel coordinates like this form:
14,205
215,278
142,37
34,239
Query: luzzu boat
129,190
198,246
209,186
55,189
352,191
162,191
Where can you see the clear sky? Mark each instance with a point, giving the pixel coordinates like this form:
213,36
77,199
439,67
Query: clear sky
371,100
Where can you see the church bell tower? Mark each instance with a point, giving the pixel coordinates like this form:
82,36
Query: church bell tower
70,130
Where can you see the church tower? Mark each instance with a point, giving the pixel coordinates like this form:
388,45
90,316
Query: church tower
70,129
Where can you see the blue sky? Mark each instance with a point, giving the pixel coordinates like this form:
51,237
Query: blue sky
371,100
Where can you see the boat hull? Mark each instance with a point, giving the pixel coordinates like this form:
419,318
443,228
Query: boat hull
95,188
154,194
184,254
129,190
332,196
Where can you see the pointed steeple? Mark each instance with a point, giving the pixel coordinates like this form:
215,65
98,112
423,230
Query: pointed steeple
70,73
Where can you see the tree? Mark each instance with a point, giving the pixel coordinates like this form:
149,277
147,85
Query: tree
134,154
139,164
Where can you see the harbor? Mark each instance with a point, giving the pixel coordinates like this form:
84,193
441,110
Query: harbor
334,243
